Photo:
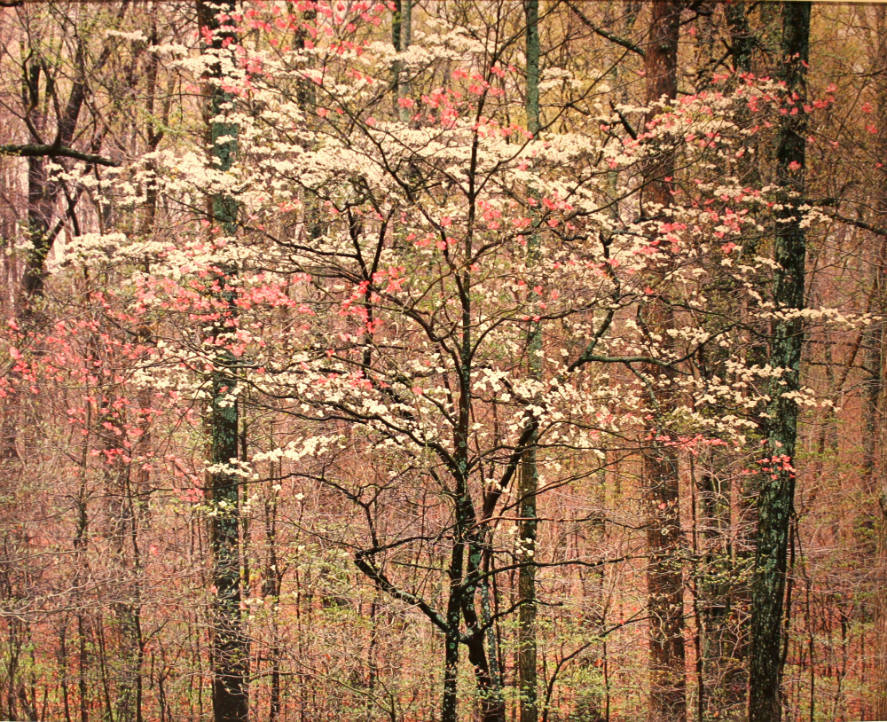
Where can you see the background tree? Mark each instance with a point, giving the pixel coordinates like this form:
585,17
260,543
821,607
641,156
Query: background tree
665,587
776,492
230,647
528,479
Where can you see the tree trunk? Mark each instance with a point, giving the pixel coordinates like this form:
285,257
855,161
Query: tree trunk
122,533
271,584
659,462
403,26
721,586
230,647
448,712
528,478
742,41
42,195
777,480
42,192
488,681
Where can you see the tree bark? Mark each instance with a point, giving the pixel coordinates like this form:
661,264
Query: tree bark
528,479
777,480
721,586
230,647
405,30
271,585
659,461
401,37
742,40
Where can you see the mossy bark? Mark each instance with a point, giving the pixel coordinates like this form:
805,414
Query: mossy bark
528,479
777,478
230,647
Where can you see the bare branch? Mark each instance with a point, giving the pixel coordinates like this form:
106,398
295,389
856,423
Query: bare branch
55,151
627,44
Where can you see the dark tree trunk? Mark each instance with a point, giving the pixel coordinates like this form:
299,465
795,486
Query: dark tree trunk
721,586
448,711
660,463
875,526
123,542
488,682
230,647
403,29
528,478
742,39
42,193
271,584
777,482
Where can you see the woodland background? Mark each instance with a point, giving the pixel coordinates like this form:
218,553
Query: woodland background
443,360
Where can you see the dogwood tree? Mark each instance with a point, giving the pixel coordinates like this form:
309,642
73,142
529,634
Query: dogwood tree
377,291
